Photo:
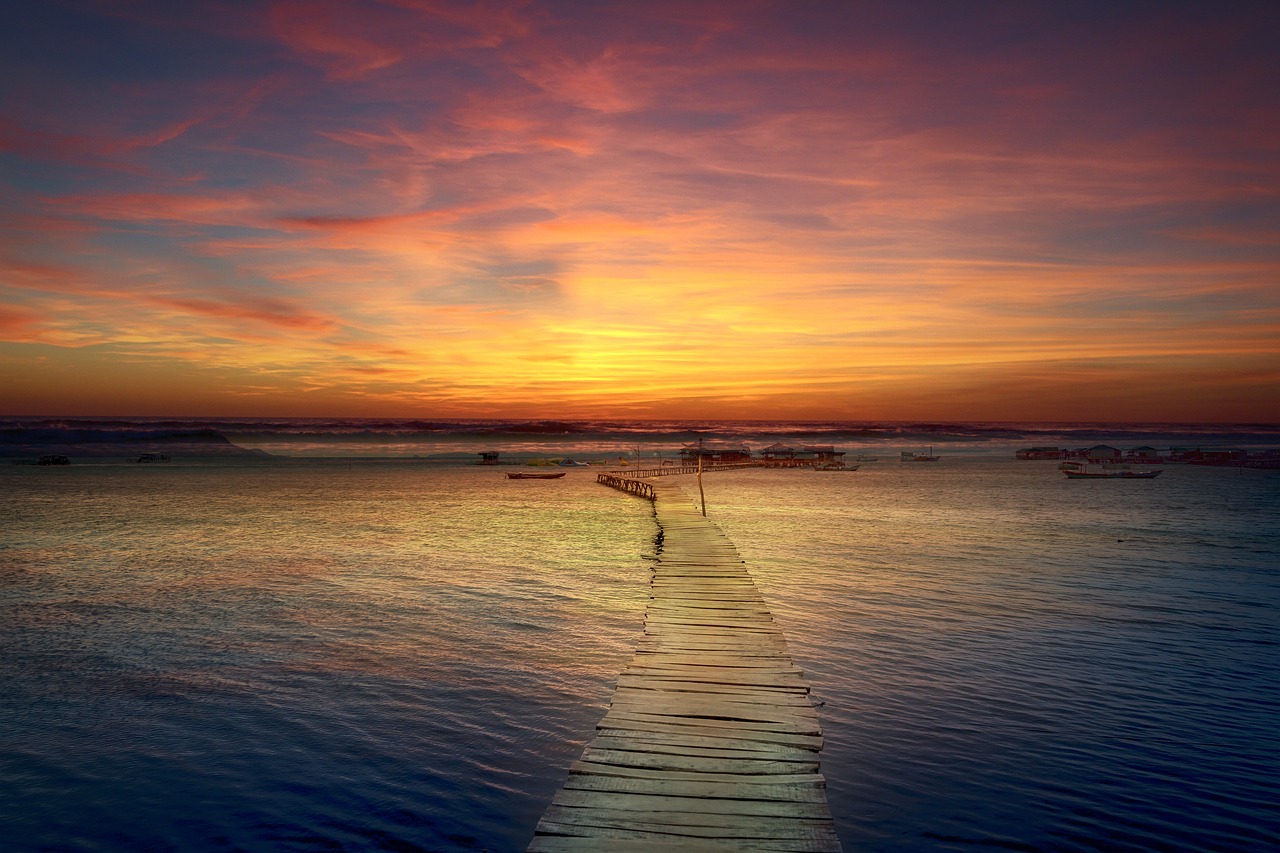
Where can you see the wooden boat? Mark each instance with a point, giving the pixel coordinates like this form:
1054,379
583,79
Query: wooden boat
1077,471
534,475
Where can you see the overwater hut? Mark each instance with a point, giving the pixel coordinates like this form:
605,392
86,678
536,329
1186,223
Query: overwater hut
1223,456
1038,453
1145,455
823,454
488,457
1103,453
777,451
712,454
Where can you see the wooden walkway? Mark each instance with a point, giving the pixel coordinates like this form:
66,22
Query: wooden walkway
711,741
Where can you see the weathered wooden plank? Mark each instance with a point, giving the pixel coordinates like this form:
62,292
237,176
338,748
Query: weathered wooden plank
711,709
721,738
796,776
650,842
746,827
591,844
720,790
726,682
820,842
677,807
697,763
764,646
796,726
755,646
726,618
703,606
633,741
768,671
643,723
654,629
668,660
691,687
630,745
721,667
710,699
813,742
709,684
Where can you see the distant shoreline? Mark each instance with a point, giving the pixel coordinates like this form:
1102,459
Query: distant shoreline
459,438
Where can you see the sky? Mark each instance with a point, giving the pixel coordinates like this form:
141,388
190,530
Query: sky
983,211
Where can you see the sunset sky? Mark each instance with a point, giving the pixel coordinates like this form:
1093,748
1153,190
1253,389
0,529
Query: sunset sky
931,210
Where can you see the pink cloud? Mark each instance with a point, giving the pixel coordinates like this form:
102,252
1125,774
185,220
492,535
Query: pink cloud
273,312
328,34
15,322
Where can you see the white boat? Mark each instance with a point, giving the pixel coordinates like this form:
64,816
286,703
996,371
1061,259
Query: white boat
1080,471
912,456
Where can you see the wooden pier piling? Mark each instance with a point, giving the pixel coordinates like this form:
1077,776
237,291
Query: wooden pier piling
711,741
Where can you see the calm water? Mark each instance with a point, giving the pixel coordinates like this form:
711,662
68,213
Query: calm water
399,655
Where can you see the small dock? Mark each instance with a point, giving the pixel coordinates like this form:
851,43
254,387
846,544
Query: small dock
711,741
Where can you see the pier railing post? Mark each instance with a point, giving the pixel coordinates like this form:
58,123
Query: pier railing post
701,494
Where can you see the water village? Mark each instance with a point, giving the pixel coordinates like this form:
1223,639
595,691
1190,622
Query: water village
824,457
1106,454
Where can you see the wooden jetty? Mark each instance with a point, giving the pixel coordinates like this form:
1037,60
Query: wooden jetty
711,741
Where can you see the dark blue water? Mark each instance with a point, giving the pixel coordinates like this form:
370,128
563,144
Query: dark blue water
399,655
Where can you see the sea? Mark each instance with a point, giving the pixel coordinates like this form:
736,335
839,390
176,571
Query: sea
347,635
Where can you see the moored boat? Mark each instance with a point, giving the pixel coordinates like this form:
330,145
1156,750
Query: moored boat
534,475
1079,471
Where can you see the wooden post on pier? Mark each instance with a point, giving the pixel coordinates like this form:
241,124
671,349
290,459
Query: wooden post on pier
702,496
711,741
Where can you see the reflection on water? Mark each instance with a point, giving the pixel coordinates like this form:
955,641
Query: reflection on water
1010,661
372,656
220,657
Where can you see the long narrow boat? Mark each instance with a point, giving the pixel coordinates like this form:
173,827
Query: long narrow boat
1078,471
531,475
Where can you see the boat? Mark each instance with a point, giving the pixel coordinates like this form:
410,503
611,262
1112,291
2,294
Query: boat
1078,471
835,466
911,456
534,475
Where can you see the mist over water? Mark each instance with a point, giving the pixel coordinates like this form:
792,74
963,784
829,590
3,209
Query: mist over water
399,654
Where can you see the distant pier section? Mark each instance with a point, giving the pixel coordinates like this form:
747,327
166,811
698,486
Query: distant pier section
711,741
